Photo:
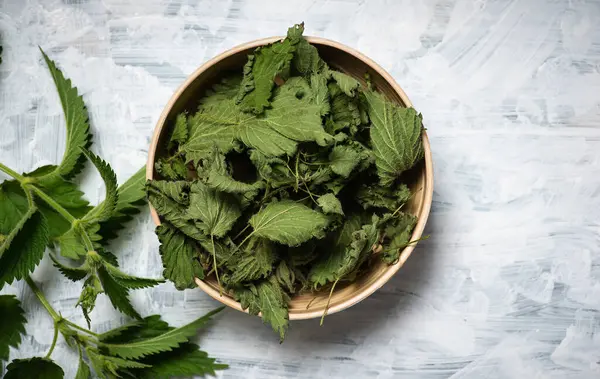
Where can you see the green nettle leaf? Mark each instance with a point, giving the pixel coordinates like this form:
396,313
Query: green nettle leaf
257,262
215,174
83,370
273,306
225,252
130,196
345,111
173,212
306,57
183,360
285,276
289,223
330,204
395,136
227,89
212,126
177,191
170,209
265,139
139,330
23,248
161,343
178,255
215,210
347,84
15,228
320,92
106,209
76,118
344,159
338,244
12,326
172,169
13,206
33,368
117,293
72,245
104,364
186,360
398,233
73,273
180,132
248,298
298,119
267,298
272,170
260,72
129,281
390,198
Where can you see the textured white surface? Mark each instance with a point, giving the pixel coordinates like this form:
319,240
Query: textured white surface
508,285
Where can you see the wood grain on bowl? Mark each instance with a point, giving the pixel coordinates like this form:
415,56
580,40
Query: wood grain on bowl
352,63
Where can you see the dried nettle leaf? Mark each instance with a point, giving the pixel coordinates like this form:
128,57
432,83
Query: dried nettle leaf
287,178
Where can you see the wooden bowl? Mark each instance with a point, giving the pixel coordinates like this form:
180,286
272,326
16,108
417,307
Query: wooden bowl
351,62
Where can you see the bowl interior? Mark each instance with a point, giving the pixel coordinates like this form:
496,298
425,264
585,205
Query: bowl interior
340,58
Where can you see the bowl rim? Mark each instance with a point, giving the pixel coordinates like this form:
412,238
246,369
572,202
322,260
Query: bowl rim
428,184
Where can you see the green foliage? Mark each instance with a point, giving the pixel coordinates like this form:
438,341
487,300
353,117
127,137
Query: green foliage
33,368
289,223
273,306
330,204
395,135
263,67
177,252
44,208
347,84
76,119
130,196
73,273
390,198
83,370
166,341
286,179
12,326
30,235
104,210
182,360
257,261
397,232
216,211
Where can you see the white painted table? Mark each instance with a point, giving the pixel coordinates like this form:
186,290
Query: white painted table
508,285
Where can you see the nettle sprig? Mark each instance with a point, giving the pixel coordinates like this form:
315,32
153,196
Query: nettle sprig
46,209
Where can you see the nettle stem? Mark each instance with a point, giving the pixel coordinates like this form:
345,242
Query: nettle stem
11,172
214,254
82,329
58,319
53,340
50,201
86,240
36,291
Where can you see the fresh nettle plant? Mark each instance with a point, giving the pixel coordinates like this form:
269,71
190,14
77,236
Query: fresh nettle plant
45,209
289,177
